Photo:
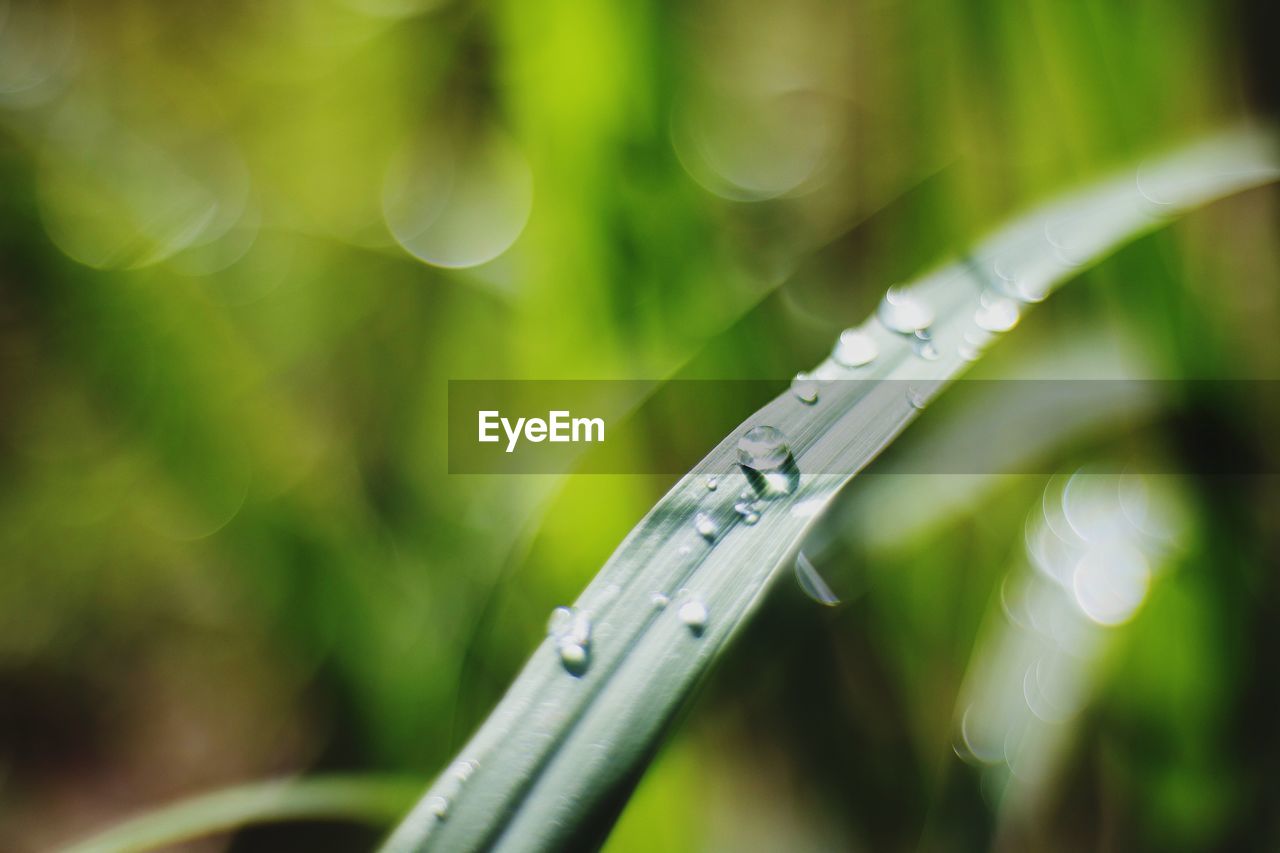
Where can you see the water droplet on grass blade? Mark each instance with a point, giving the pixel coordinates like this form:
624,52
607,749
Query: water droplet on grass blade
570,628
747,511
923,346
855,348
705,525
996,314
439,806
766,459
574,657
805,388
763,448
712,484
903,312
693,613
916,397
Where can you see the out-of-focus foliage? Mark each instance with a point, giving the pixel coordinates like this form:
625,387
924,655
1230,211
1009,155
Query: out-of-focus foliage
243,246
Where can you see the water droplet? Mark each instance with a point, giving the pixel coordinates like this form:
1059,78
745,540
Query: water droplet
684,550
996,314
712,484
659,600
855,348
574,657
805,388
439,806
763,448
812,583
463,768
767,462
705,525
694,614
916,398
747,511
923,345
570,628
559,621
903,312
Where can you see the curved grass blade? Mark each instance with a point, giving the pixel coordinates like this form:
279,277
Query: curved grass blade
377,801
552,766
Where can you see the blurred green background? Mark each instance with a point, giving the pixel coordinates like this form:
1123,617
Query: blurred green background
244,245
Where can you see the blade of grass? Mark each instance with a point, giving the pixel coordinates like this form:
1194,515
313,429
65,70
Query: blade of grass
377,801
552,766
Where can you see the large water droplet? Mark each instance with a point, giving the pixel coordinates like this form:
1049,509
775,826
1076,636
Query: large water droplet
855,348
805,388
903,312
693,613
767,462
763,448
705,525
996,314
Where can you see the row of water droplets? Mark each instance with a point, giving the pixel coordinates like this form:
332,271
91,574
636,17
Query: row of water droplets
447,788
765,458
908,316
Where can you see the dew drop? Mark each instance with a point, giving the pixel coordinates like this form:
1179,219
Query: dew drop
574,657
705,525
915,397
659,600
559,621
805,388
463,769
923,345
996,314
570,628
747,510
712,484
439,807
766,460
855,348
904,313
693,613
763,448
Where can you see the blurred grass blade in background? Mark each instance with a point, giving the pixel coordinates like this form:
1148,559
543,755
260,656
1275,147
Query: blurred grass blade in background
553,765
362,799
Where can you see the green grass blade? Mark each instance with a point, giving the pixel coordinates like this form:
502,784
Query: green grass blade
377,801
554,763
